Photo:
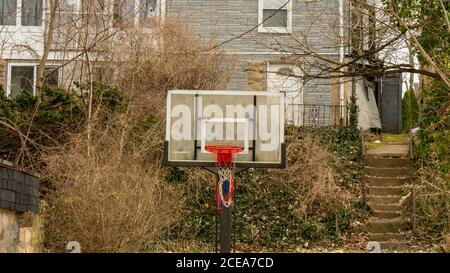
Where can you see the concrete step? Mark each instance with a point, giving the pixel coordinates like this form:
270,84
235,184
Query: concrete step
387,208
382,191
387,172
388,162
386,181
386,214
384,200
387,237
388,226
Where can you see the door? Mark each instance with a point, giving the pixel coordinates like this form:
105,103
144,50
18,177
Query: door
391,104
286,78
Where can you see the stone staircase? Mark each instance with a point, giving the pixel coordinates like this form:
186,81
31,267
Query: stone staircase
387,175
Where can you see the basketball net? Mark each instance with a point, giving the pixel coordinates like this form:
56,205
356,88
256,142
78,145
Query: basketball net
224,163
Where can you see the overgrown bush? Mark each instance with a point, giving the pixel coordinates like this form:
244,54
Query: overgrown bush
410,111
111,197
107,188
433,158
279,210
29,125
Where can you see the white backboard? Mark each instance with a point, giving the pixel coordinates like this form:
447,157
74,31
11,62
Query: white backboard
253,120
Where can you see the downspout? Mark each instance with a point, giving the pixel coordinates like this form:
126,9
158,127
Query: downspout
341,60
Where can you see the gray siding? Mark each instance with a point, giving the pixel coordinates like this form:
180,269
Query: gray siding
314,22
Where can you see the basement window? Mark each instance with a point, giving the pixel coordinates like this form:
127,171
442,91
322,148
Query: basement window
22,78
275,16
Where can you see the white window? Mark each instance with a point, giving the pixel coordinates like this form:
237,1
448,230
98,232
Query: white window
22,78
21,12
133,12
32,11
275,16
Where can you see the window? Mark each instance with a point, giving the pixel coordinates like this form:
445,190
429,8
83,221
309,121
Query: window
8,12
135,11
275,16
22,80
32,12
147,11
124,11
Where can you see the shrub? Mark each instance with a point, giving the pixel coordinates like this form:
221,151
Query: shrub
410,111
109,199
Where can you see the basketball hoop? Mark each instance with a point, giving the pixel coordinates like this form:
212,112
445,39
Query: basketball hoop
224,164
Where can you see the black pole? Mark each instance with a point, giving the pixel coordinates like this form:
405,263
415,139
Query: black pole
225,231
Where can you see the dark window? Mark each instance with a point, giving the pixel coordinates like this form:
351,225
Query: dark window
8,12
32,13
22,80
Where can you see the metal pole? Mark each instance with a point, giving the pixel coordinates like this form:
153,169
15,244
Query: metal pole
414,209
225,231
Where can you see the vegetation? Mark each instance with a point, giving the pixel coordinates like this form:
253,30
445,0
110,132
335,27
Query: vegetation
314,202
410,111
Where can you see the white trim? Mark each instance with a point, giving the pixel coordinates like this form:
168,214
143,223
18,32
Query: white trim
275,30
35,69
9,75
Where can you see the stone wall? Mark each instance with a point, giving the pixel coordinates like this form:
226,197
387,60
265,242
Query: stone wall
21,225
20,232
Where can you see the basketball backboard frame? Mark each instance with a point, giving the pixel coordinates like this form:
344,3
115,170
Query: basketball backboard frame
251,146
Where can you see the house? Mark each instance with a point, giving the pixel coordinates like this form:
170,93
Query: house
290,46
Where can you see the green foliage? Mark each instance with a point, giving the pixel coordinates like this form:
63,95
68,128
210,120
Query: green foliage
433,36
433,157
354,113
48,122
410,111
434,136
177,175
267,214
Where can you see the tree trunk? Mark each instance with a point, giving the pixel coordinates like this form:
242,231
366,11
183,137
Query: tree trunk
47,44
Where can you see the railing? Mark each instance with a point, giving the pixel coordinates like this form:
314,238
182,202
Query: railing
317,115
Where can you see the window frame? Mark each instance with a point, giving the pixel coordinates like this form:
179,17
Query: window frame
29,64
19,27
9,77
160,6
263,29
